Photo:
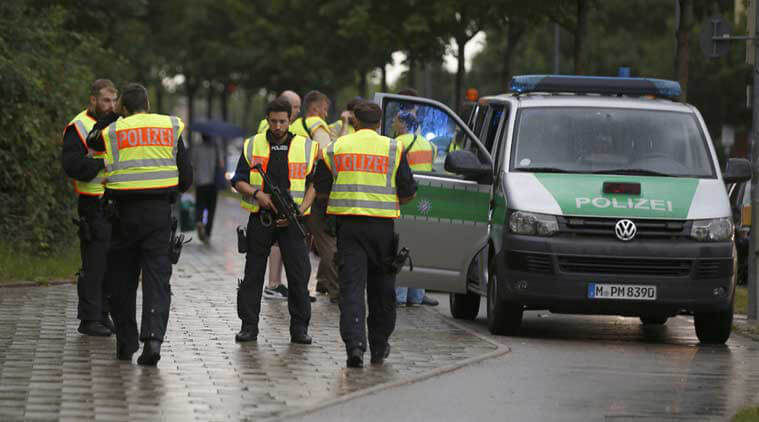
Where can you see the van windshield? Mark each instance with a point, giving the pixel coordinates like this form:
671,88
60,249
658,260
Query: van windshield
610,141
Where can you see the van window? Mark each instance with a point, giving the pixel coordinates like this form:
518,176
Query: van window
610,141
430,126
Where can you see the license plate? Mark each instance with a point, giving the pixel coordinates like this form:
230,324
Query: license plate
621,291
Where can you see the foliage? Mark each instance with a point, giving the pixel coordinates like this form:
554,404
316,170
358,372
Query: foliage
43,75
18,265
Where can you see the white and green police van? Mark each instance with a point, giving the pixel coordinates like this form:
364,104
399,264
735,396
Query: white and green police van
588,195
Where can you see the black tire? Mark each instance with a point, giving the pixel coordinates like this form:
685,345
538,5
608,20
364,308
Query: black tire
653,320
504,318
714,327
464,306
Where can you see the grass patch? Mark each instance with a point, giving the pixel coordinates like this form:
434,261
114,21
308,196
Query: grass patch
749,414
23,266
740,306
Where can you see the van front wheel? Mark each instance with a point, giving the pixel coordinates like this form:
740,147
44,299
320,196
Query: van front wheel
464,306
504,318
713,327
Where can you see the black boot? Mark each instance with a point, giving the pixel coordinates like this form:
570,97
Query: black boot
108,323
355,358
151,353
246,334
301,338
94,328
379,357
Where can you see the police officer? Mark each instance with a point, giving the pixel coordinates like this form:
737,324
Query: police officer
420,152
87,169
313,125
288,160
146,163
367,178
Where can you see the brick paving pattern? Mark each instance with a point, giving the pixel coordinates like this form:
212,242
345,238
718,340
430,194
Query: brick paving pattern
50,372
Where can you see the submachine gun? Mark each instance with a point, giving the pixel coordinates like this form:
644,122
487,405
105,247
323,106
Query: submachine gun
286,206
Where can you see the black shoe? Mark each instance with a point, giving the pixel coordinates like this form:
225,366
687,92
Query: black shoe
301,339
429,301
109,324
320,288
355,358
246,335
124,355
151,353
312,299
94,328
379,358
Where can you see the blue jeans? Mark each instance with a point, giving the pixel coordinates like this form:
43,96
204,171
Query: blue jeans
410,294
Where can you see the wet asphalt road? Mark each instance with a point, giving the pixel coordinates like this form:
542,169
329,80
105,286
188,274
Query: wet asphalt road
579,368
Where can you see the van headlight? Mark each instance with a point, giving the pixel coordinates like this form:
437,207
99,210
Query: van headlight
521,222
714,230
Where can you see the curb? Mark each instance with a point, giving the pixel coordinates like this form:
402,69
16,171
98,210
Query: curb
499,351
36,283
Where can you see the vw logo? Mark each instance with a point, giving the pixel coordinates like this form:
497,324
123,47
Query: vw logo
625,230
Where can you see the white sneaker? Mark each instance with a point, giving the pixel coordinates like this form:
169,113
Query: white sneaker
273,294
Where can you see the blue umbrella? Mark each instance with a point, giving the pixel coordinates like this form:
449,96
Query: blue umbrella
218,128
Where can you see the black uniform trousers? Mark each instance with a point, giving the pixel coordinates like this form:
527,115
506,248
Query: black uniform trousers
365,250
140,242
297,268
93,243
205,200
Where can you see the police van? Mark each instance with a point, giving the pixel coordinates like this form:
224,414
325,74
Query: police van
587,195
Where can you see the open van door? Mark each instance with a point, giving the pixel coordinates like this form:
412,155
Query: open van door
447,222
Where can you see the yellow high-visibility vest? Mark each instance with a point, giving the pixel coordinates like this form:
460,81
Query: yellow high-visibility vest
83,124
301,159
312,123
363,167
141,152
336,127
420,152
263,126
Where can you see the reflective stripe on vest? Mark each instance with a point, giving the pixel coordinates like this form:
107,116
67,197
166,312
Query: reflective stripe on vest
301,159
83,124
420,153
312,123
141,152
364,165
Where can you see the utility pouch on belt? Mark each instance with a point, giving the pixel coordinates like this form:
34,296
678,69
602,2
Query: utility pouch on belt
242,239
400,256
177,242
84,228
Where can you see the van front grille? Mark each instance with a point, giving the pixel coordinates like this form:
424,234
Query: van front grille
632,266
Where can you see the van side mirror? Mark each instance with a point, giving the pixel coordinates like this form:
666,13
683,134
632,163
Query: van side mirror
468,165
737,170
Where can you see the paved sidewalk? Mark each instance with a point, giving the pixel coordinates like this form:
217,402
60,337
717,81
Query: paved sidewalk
49,372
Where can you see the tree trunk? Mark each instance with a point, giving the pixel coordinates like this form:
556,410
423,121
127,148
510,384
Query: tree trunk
159,97
209,101
514,35
362,83
383,71
460,72
411,73
681,56
580,33
225,103
190,89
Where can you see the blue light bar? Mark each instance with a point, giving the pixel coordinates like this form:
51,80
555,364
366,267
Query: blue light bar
608,85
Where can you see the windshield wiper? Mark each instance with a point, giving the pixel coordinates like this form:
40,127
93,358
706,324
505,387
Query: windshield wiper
544,170
641,172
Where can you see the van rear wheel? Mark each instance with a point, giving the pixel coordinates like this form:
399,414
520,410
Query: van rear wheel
713,327
504,318
464,306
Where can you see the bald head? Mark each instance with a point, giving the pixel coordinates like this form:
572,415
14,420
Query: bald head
294,100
